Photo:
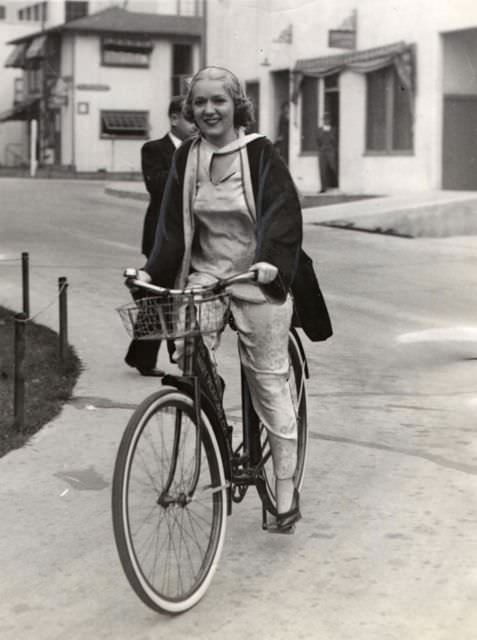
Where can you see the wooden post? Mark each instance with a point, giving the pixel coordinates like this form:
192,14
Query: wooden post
63,311
26,283
19,374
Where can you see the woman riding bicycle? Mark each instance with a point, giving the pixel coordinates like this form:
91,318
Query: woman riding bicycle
230,205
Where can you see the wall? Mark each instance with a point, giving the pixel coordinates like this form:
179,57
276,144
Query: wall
252,29
147,89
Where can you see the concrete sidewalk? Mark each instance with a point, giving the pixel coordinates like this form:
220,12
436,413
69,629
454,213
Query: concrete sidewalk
422,214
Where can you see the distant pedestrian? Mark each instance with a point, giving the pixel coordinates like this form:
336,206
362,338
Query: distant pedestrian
156,160
327,144
283,132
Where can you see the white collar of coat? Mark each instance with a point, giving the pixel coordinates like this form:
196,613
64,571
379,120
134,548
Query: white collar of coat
239,143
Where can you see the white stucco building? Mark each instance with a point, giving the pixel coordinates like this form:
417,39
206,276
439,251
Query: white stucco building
100,85
400,87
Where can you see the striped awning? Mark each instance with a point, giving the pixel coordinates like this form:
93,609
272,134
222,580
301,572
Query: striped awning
16,57
21,111
36,48
399,54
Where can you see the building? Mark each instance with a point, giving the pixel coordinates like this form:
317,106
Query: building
397,79
12,140
100,84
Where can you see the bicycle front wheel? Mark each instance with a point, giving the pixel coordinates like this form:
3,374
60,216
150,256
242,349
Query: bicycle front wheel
296,381
169,502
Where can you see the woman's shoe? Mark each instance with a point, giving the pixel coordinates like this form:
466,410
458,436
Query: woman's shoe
286,521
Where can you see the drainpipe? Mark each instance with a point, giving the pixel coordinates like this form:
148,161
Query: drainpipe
73,101
203,48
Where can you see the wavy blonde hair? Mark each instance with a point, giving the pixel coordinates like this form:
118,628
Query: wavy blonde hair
243,107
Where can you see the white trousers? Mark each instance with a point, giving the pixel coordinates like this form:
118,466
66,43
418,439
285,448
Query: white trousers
263,330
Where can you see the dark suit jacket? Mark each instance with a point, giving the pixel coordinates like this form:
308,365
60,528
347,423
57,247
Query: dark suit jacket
156,160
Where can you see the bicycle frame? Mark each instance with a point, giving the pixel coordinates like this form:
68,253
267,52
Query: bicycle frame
201,381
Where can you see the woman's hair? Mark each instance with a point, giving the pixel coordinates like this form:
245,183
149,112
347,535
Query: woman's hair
243,107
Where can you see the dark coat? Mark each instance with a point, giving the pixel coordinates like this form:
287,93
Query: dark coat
156,160
278,235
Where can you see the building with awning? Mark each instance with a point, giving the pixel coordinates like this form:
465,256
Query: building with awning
100,85
397,83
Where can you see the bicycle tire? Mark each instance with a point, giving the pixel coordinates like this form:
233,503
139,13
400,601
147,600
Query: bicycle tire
170,516
266,480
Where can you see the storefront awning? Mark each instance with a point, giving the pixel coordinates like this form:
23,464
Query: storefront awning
36,48
21,111
16,57
399,54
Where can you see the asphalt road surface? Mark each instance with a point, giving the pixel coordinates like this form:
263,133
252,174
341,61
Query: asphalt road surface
387,547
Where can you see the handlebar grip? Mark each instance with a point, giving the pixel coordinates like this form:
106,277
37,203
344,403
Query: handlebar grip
130,272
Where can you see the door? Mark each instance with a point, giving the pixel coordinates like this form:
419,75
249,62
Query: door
332,110
459,150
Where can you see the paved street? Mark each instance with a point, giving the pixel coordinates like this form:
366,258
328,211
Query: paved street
387,547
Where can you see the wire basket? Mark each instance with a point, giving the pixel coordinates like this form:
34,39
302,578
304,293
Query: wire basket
176,316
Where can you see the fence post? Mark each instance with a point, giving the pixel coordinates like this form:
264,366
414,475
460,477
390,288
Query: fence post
19,375
26,283
63,310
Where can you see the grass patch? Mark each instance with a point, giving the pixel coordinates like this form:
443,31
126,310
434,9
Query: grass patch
48,384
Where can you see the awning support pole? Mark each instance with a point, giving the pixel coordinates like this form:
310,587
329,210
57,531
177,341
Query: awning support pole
33,145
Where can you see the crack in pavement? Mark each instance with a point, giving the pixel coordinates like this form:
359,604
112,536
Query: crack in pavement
416,453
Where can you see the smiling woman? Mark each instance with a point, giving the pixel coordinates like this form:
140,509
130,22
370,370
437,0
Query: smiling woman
48,384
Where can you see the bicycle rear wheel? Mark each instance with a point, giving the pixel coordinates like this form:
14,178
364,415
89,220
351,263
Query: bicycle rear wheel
169,502
266,479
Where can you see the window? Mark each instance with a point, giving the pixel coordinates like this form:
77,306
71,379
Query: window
18,90
75,9
388,113
126,51
309,113
181,67
124,124
2,12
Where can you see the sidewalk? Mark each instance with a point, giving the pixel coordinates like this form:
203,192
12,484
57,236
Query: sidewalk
429,214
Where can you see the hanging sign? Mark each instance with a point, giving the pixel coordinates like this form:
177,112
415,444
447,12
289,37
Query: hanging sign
345,36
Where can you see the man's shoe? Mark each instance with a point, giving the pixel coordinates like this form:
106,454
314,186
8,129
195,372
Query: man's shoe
158,373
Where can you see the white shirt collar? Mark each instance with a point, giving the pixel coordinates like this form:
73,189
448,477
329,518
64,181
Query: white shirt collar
175,140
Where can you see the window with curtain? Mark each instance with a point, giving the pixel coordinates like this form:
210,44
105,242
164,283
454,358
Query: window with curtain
309,113
389,121
181,68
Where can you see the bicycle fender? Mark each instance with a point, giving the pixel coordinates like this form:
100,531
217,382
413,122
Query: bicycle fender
206,405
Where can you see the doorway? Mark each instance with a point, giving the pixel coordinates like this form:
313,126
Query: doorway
281,112
459,146
331,106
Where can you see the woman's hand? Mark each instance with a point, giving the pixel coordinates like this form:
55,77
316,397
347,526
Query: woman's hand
143,276
266,272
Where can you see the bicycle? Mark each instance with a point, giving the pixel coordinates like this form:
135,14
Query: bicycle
177,471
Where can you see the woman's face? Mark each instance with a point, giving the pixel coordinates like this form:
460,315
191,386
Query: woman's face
213,110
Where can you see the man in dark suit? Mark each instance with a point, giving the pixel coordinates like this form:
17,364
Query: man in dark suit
327,154
156,160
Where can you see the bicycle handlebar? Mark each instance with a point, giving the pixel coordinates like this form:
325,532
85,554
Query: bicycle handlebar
218,287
